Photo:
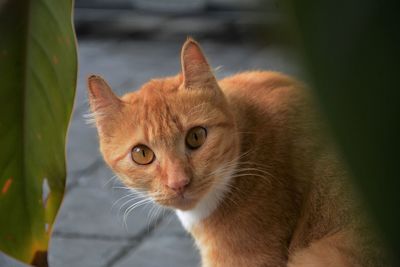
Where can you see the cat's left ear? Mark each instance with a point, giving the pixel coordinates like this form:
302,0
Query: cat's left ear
195,69
101,97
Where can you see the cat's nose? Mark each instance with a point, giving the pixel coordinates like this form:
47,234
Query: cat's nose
178,185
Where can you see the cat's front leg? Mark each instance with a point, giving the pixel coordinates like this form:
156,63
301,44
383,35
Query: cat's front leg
322,253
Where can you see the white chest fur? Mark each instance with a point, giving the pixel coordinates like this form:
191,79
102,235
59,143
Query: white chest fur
207,205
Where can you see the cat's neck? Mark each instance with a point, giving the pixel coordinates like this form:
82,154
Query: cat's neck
207,205
269,216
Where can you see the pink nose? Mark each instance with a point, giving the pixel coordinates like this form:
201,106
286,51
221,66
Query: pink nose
178,185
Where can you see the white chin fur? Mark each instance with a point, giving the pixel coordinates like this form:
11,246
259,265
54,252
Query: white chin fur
206,205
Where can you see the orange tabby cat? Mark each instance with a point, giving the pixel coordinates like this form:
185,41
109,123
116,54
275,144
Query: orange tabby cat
242,161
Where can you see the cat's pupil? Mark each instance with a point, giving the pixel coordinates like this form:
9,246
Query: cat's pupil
143,155
196,137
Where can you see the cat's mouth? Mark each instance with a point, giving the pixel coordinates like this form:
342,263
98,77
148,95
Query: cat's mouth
185,200
179,201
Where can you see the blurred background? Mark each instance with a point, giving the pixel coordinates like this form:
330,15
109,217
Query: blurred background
129,42
233,20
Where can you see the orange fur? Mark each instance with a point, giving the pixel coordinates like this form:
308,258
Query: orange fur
288,201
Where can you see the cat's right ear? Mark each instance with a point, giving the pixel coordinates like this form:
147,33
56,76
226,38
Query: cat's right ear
101,97
196,71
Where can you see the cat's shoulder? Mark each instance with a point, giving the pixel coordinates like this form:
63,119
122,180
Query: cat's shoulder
257,80
263,87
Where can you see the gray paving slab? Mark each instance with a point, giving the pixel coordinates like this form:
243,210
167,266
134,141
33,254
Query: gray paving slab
6,261
83,148
89,211
82,252
95,174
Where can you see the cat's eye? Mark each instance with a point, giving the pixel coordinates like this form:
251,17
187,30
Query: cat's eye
142,155
196,137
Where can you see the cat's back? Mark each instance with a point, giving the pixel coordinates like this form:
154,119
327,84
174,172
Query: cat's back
262,99
259,78
263,89
289,131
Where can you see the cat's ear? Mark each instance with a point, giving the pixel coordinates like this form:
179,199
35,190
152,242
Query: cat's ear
196,71
101,97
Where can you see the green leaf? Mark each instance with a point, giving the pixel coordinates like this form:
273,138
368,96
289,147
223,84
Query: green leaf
38,69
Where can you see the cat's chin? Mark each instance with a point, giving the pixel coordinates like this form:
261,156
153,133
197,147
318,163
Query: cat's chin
180,203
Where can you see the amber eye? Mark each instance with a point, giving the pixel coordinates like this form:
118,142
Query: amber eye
196,137
142,155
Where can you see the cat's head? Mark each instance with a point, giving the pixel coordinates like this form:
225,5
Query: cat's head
175,139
